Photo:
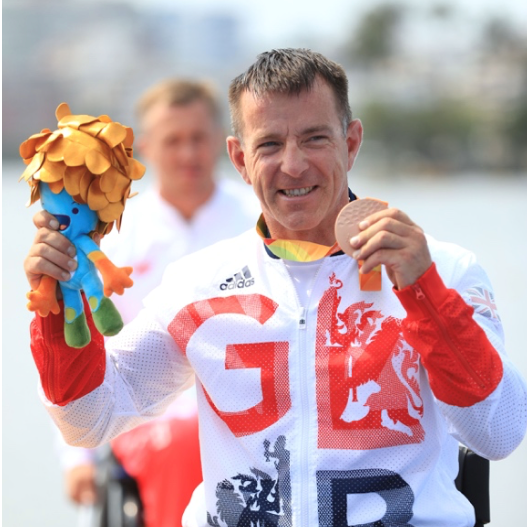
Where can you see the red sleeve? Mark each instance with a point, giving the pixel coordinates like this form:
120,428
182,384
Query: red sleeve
463,367
66,373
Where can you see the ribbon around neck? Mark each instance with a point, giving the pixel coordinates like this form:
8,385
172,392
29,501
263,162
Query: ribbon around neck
303,251
294,250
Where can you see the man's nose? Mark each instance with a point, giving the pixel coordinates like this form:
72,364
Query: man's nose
188,150
294,160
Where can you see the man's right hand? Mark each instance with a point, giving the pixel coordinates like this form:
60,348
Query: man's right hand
80,484
51,253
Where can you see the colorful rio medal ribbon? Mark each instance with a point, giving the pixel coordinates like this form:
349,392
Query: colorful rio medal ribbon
294,250
347,226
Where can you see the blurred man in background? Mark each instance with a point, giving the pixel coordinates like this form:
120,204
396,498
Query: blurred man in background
188,207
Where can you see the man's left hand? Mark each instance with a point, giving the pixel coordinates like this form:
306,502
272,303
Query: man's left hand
391,238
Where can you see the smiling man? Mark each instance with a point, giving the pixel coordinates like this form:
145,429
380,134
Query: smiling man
296,151
321,402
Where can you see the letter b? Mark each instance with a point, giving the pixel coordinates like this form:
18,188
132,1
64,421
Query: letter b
334,487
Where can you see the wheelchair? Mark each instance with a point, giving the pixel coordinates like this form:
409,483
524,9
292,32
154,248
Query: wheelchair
118,500
473,481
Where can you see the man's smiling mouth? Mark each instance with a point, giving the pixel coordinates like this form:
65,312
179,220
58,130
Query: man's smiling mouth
293,192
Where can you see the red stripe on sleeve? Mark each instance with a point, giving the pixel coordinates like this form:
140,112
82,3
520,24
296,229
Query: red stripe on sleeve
462,365
66,373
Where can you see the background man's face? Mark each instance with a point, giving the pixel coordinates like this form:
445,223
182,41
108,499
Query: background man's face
182,144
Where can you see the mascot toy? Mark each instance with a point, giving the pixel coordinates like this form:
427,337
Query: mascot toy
82,174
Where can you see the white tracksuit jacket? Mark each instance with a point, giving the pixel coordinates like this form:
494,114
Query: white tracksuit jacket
345,411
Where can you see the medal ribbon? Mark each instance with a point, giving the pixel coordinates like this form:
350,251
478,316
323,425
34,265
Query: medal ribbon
294,250
302,251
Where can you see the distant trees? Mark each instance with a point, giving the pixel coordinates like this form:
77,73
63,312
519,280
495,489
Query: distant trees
516,132
438,135
376,35
427,109
499,36
500,39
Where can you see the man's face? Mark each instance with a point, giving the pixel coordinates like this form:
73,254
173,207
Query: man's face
182,145
296,156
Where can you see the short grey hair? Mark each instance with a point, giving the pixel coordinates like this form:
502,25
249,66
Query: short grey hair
289,71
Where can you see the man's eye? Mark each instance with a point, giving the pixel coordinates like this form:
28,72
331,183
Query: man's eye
268,144
318,138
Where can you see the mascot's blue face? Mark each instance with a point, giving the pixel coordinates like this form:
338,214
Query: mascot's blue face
74,218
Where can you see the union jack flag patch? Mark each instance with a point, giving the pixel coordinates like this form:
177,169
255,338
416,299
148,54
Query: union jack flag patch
483,302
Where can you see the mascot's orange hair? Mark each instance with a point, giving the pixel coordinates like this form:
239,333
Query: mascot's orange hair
91,157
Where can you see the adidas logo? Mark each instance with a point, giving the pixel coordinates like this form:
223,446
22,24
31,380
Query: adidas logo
239,280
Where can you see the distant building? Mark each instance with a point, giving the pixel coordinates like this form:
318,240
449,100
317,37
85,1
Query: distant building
99,56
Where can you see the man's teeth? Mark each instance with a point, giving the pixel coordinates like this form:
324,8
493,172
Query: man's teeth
298,191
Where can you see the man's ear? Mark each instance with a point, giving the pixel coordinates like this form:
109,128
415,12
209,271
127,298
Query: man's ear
353,140
237,156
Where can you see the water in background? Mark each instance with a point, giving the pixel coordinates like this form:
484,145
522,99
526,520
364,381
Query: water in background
487,215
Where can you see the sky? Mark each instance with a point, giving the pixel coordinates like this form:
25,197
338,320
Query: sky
279,23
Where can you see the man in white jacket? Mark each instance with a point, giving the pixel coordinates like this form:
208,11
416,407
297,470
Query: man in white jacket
323,401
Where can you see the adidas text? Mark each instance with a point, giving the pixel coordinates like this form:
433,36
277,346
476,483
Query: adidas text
239,280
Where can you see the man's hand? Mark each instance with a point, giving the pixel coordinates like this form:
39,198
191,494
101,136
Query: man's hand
51,253
80,484
391,238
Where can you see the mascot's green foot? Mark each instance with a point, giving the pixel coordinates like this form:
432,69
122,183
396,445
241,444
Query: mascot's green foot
76,332
107,319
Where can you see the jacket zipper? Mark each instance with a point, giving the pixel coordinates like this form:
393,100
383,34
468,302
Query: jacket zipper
304,403
302,319
304,435
431,310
